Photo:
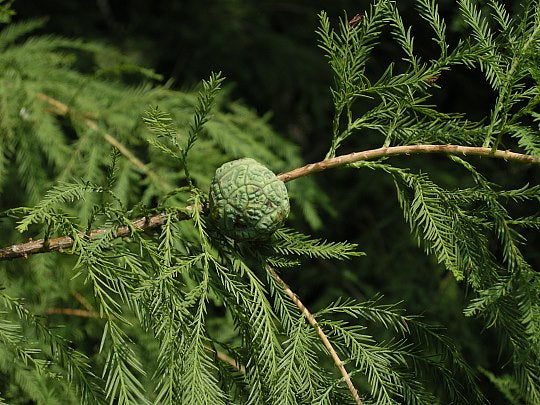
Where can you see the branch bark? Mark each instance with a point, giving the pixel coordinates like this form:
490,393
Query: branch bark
82,313
373,154
313,322
65,242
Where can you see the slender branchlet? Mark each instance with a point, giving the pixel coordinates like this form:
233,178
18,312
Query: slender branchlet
313,322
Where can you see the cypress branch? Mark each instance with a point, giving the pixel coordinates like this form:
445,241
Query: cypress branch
313,322
373,154
65,242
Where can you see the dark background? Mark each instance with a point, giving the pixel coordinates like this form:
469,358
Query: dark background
268,52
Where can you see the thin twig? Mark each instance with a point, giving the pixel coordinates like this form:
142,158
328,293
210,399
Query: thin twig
313,322
225,358
64,242
62,109
373,154
79,297
83,313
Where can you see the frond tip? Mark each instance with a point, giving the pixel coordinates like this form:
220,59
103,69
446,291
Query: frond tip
287,242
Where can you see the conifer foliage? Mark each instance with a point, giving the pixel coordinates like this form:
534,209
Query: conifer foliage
113,177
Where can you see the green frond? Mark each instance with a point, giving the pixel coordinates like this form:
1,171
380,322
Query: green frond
476,21
161,123
15,31
528,139
288,242
389,315
11,337
506,385
299,378
199,384
376,362
347,51
526,222
483,35
500,14
75,364
283,307
121,368
432,217
402,35
205,102
429,11
423,341
262,323
61,193
110,282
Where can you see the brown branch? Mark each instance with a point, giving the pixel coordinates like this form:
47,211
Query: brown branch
406,150
64,242
79,297
83,313
313,322
62,109
225,358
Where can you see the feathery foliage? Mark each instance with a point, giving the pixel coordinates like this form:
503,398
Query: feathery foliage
185,315
457,226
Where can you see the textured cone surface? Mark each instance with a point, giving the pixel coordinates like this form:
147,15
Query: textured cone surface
247,200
